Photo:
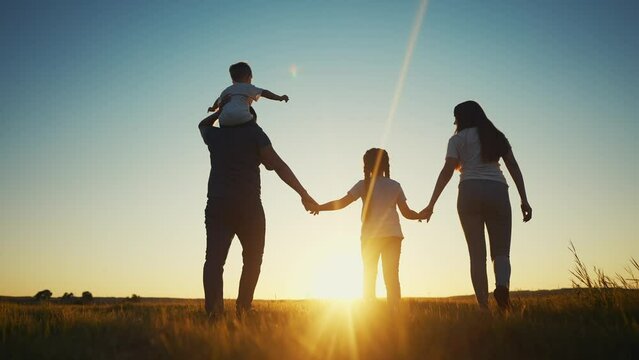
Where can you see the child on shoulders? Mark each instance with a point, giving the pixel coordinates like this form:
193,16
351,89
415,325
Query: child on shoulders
240,96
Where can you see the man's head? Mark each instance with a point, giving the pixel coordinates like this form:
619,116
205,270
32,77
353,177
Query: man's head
241,72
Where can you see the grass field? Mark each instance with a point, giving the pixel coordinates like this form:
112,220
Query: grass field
566,324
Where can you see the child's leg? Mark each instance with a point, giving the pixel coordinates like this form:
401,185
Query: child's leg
390,264
370,257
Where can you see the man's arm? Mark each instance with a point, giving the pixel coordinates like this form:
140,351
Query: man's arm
216,104
272,161
219,105
209,120
269,95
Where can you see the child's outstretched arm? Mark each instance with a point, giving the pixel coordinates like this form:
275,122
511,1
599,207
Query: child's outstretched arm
269,95
337,204
407,212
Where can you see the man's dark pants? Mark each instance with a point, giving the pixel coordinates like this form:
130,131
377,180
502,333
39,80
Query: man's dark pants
225,218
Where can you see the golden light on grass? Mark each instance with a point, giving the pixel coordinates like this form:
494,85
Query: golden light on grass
335,332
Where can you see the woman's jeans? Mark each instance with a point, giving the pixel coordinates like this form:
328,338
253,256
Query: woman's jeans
389,248
486,202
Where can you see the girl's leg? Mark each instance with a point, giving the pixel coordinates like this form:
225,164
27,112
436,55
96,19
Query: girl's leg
471,218
370,258
390,265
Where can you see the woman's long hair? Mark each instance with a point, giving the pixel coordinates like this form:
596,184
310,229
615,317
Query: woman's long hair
376,162
493,142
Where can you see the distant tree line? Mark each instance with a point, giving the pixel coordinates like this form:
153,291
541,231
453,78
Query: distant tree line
133,298
43,295
69,298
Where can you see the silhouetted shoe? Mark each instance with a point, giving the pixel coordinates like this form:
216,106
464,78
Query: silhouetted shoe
214,311
215,316
245,313
502,296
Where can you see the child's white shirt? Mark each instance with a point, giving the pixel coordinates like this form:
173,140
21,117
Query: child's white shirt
381,219
236,111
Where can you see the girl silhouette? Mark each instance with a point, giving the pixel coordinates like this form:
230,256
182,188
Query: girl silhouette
381,232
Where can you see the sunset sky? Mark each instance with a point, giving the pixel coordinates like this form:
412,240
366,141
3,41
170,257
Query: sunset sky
104,173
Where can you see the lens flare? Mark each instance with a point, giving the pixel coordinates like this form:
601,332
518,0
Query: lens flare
399,86
293,70
408,56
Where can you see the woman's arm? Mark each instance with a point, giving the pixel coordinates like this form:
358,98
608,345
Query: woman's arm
444,177
407,212
518,178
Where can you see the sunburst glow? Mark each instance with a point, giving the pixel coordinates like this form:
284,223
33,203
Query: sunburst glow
338,277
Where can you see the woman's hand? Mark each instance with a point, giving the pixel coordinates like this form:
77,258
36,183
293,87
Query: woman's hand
427,212
526,210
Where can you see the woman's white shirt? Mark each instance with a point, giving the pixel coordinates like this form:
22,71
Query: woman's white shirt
466,148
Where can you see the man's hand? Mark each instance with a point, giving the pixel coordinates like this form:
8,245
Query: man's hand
310,204
219,104
284,98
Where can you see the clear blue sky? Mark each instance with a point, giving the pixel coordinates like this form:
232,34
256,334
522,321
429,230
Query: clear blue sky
103,179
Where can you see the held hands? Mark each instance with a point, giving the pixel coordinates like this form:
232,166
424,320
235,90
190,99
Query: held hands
526,210
310,204
426,213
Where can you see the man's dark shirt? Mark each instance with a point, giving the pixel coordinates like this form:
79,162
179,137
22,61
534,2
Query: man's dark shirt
235,160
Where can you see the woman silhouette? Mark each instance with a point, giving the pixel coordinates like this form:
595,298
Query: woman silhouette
475,150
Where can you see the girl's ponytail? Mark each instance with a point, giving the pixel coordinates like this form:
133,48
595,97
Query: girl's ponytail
376,161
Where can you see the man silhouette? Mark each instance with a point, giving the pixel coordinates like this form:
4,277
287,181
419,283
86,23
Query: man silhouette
234,206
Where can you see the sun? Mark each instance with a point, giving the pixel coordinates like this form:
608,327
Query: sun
337,276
